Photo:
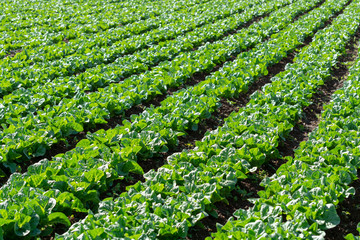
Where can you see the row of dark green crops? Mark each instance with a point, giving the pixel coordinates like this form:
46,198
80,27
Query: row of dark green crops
72,68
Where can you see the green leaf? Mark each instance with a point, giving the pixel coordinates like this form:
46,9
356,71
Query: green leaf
350,237
83,143
350,191
50,205
134,167
214,213
59,217
22,225
330,216
92,196
95,233
76,126
12,166
94,175
40,151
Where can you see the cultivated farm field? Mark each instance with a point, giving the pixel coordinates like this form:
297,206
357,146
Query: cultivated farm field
186,119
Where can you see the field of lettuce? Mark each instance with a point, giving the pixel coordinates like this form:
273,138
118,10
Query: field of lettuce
186,119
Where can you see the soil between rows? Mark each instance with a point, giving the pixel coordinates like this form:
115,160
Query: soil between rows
12,53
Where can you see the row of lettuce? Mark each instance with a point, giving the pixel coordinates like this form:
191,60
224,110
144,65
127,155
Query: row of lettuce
101,22
126,41
180,193
299,201
176,196
29,135
48,15
144,18
28,100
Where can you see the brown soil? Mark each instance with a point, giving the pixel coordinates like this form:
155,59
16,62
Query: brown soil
12,53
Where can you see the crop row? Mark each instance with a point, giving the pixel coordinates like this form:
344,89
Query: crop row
48,15
125,26
88,57
31,135
22,102
178,195
112,28
8,7
77,37
106,156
